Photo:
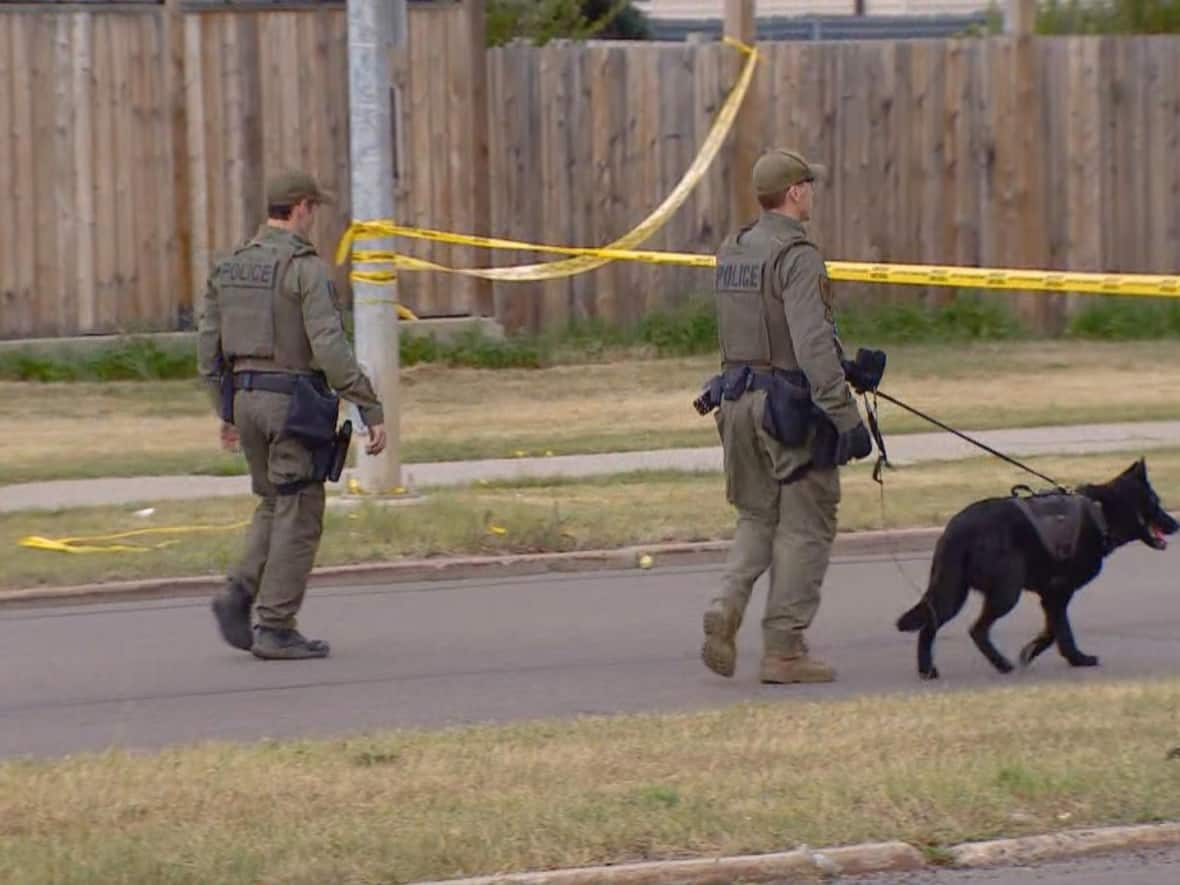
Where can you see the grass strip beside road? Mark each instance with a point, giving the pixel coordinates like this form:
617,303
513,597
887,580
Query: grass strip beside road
933,768
538,516
61,431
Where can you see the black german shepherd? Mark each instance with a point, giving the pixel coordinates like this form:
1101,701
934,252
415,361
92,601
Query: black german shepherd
993,546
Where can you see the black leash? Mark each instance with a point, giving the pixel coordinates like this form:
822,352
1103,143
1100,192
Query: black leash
883,461
948,429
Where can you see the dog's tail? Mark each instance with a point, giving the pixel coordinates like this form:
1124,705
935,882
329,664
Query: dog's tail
946,592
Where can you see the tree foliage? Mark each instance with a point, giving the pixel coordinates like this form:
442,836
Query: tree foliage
540,21
1109,17
1096,17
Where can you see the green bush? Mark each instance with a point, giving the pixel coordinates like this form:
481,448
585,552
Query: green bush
134,359
685,329
968,317
1114,318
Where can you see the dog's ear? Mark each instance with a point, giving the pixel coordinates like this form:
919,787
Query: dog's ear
1138,470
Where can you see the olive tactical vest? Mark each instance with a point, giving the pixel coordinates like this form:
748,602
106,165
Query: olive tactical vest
260,320
752,325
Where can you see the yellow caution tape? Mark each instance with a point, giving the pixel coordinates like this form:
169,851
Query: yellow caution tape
77,545
591,259
853,271
1006,278
403,312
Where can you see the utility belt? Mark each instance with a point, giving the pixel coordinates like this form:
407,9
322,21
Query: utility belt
790,412
311,419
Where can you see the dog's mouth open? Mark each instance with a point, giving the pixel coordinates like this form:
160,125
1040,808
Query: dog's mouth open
1157,530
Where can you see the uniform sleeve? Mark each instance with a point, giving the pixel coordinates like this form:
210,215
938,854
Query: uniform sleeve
329,344
210,359
803,279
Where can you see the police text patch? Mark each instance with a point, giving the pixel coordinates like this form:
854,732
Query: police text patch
739,276
250,274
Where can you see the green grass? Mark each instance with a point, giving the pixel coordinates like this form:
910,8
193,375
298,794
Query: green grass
454,413
931,768
537,516
689,328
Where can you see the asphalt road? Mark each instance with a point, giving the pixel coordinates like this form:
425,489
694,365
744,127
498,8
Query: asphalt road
153,673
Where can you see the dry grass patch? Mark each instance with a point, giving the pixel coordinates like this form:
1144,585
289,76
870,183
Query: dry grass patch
541,516
79,430
932,768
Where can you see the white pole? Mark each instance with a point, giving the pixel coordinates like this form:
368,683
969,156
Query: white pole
374,28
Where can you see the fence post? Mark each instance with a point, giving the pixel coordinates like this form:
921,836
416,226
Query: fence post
740,24
1020,17
476,10
178,189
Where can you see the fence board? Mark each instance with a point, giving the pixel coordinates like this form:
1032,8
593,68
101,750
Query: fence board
197,196
1036,153
62,193
8,221
143,187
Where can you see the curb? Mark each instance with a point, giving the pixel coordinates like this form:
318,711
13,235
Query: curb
851,860
1068,843
878,857
874,543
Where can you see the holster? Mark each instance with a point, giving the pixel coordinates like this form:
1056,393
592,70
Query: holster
825,442
789,409
226,397
340,451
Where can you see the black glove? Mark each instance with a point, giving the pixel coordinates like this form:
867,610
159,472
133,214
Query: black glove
854,443
865,372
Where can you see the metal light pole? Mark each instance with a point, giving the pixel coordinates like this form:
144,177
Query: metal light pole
375,27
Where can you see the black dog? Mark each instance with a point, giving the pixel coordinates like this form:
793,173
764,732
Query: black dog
1051,544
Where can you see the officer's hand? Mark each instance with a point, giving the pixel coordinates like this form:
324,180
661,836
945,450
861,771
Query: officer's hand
864,373
230,438
854,443
376,444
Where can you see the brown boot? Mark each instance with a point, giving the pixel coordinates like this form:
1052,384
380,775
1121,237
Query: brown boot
720,649
783,670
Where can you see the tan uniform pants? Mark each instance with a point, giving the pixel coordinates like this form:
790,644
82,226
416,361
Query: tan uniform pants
786,528
284,535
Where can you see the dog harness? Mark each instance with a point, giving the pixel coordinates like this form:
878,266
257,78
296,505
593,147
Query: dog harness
1057,518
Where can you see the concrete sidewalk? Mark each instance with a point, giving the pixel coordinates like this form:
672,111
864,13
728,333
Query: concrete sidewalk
1134,438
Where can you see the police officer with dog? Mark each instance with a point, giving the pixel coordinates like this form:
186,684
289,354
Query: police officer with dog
787,421
272,348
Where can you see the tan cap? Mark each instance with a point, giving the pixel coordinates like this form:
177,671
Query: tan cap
288,188
778,169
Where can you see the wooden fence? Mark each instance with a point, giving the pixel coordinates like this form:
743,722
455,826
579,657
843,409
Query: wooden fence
134,141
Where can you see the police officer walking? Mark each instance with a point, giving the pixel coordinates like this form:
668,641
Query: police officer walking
272,348
787,420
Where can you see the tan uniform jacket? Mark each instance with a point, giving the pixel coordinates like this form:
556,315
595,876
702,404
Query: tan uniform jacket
308,329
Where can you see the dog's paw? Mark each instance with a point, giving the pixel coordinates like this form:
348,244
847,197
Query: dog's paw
932,673
1004,667
1083,661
